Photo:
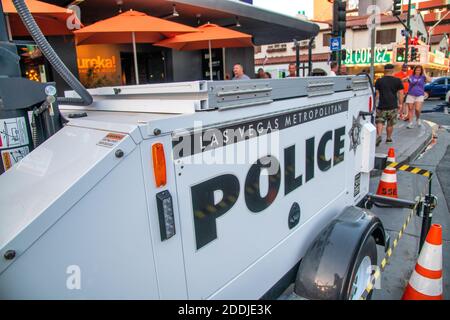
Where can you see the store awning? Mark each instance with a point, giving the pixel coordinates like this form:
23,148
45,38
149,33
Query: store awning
265,26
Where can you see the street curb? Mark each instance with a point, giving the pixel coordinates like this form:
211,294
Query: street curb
413,155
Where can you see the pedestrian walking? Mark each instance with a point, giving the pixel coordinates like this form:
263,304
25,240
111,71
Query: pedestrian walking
239,74
389,95
403,74
416,94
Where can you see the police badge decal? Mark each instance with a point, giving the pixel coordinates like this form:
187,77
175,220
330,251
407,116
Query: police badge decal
355,134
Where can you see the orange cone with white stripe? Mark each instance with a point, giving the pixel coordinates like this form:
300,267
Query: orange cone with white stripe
426,279
388,184
391,155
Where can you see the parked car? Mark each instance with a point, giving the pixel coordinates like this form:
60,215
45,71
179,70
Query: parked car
438,87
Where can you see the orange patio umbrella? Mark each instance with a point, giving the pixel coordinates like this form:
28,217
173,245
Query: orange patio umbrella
210,36
131,26
51,19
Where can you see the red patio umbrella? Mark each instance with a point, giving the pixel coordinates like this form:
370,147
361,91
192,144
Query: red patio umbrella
131,26
210,36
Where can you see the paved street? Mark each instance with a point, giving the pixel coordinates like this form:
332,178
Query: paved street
436,159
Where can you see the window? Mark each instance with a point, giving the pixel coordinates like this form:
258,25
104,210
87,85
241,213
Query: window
386,36
257,49
327,37
440,81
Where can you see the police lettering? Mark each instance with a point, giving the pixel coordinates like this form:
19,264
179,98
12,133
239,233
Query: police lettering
207,209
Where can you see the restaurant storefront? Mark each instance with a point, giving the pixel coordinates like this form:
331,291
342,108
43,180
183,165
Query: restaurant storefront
113,64
33,65
437,64
108,65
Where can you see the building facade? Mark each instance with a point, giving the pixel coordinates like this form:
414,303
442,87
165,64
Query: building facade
433,50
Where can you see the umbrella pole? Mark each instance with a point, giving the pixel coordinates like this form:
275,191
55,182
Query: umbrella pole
224,64
210,61
136,72
8,27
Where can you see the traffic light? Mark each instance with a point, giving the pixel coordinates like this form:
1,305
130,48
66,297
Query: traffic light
339,17
397,8
334,55
414,52
400,55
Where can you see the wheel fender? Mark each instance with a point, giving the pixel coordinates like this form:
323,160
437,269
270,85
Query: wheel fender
325,269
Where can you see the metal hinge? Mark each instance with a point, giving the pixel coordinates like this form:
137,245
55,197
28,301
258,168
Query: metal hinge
239,95
315,88
360,84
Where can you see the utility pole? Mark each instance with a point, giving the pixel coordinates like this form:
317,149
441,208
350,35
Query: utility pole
408,30
297,57
339,55
373,34
339,25
311,42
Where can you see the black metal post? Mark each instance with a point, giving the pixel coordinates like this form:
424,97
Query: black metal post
339,55
3,33
408,26
427,214
311,42
297,58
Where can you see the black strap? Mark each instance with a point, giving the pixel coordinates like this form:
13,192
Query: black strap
411,86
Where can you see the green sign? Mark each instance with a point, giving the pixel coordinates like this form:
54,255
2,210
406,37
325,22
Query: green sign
362,56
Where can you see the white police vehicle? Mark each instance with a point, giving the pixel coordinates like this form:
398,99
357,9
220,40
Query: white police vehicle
197,190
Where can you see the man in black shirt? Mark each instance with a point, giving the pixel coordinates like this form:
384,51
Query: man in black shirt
389,97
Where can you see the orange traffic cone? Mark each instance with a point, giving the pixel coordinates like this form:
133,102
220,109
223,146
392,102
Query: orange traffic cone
426,279
391,155
388,184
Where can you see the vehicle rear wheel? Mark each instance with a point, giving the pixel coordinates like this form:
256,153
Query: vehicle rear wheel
365,262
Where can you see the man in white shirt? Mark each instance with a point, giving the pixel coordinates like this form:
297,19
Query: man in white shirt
334,69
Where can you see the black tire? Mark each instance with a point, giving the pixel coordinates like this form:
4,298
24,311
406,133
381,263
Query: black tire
369,248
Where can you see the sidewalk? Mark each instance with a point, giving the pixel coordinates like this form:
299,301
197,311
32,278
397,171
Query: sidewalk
404,257
408,143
